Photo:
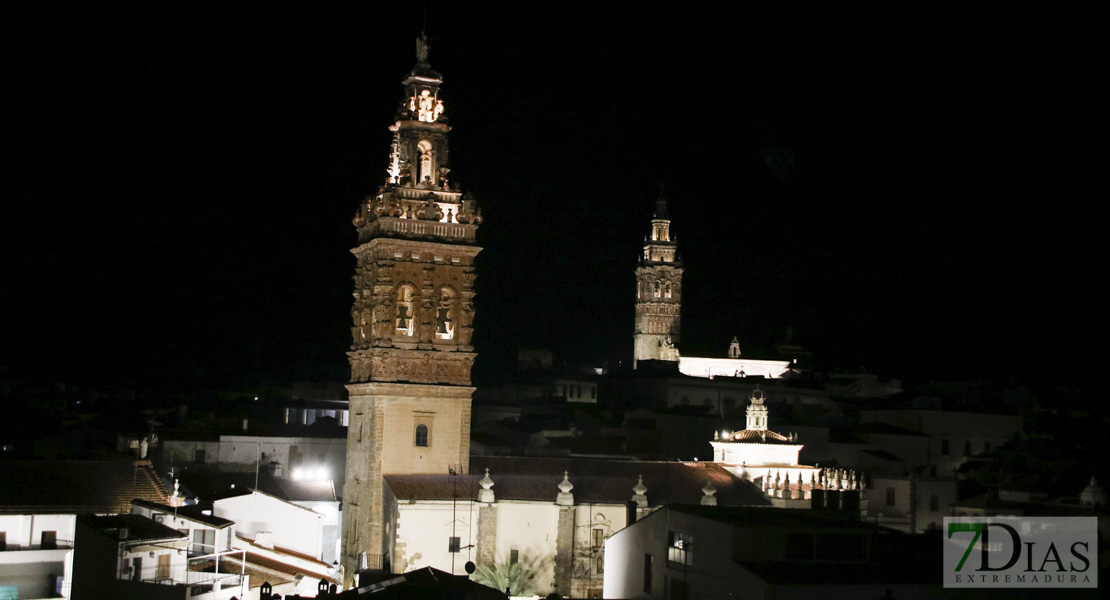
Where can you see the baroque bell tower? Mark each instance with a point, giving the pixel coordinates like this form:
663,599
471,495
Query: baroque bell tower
658,292
413,317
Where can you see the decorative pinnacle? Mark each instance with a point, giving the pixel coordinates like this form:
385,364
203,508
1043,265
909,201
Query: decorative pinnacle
709,490
640,489
566,486
486,482
757,396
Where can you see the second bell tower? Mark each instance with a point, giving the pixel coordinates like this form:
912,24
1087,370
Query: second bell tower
658,292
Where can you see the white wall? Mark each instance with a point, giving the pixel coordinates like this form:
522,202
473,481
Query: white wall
294,527
26,565
423,531
25,531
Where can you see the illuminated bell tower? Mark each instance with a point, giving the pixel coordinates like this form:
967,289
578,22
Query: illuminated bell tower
658,292
412,316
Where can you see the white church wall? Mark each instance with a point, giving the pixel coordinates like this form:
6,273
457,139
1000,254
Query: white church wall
423,532
530,528
731,367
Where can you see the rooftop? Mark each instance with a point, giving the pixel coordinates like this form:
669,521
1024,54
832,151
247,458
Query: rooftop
594,481
77,486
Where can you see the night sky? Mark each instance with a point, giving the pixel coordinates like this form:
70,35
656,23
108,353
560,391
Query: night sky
909,190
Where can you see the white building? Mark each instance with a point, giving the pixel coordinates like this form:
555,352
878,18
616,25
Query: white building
684,551
293,458
36,555
39,501
282,524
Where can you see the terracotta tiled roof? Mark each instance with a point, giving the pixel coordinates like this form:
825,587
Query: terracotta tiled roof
76,486
595,481
757,436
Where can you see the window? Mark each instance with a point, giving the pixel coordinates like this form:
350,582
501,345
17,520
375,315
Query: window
944,446
890,496
514,557
49,540
3,540
934,503
198,456
680,590
404,318
422,435
647,573
599,537
137,569
667,290
680,547
425,149
204,541
445,314
453,544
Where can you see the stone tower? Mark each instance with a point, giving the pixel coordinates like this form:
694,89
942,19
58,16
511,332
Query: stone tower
658,292
412,321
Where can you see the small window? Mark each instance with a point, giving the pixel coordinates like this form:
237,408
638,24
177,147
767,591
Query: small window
3,540
453,544
204,541
599,537
198,456
647,573
680,547
890,496
403,320
422,435
944,446
514,557
49,540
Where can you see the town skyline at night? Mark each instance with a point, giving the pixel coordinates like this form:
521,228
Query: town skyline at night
903,192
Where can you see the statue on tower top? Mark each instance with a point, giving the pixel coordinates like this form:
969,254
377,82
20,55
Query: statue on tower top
422,48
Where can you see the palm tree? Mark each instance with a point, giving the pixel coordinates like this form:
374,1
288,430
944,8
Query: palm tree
518,578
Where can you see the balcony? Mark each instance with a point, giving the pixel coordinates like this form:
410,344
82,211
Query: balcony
413,228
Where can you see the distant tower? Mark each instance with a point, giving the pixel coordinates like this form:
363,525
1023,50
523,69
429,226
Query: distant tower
658,292
412,321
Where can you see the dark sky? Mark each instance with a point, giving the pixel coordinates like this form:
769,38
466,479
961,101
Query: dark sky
911,190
